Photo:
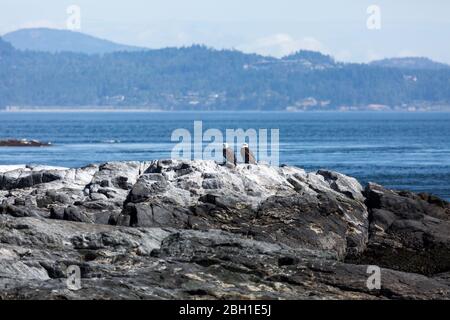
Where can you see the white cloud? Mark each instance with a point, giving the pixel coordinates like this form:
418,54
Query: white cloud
281,44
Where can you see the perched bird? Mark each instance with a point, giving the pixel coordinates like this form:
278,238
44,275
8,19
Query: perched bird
247,155
228,155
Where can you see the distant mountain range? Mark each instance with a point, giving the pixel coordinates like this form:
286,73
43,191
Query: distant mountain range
54,40
69,69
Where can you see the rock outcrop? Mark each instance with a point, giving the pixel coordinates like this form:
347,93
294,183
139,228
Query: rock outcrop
408,232
23,143
193,230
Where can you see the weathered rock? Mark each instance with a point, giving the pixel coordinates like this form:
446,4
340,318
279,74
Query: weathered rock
53,197
130,263
18,211
343,184
98,192
252,201
19,179
408,232
194,230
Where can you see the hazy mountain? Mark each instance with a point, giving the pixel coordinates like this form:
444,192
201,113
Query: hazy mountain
53,40
411,63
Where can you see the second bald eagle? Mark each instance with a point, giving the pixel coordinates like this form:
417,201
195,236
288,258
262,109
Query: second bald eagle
247,155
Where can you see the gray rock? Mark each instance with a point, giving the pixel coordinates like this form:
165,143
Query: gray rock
130,263
343,184
98,196
408,232
76,214
23,178
196,230
252,201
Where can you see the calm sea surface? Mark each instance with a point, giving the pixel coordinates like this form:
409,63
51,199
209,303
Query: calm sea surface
399,150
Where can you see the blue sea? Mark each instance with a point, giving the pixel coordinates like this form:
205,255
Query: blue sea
399,150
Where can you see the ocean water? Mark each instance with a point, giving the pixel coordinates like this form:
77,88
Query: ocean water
399,150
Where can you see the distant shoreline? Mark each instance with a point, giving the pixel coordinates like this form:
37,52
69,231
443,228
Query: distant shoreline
99,110
69,110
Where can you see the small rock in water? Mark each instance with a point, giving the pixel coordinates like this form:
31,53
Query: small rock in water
23,143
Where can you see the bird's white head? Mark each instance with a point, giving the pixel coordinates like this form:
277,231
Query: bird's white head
245,145
225,145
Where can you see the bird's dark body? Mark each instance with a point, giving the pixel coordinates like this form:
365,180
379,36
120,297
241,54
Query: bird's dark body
229,156
248,156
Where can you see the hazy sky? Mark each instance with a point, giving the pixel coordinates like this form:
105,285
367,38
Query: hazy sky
273,27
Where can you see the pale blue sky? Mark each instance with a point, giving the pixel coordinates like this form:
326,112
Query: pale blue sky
275,27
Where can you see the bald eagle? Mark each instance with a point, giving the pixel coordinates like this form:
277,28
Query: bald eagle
247,155
228,155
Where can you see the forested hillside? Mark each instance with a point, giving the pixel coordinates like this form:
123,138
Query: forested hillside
201,78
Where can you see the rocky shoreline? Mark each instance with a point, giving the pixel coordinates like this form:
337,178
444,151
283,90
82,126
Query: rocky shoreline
199,230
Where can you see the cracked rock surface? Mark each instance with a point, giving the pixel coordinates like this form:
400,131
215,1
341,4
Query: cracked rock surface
200,230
